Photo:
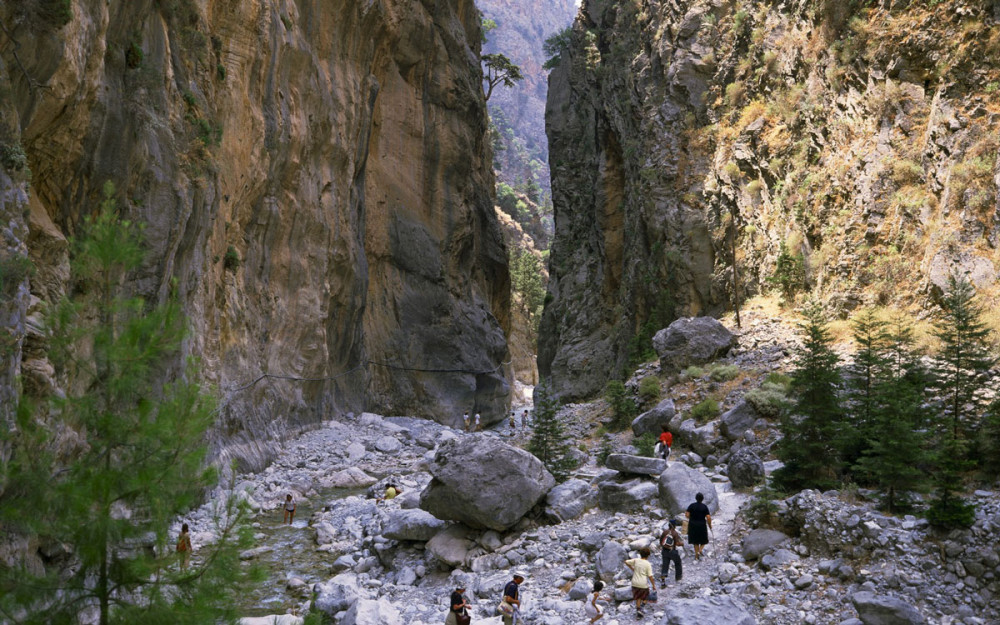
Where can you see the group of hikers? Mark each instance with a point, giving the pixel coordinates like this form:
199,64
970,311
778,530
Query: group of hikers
698,520
475,423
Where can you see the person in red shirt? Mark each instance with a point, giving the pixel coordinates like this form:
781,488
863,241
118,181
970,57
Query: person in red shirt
666,440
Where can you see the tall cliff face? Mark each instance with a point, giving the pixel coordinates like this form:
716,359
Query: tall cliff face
858,137
316,182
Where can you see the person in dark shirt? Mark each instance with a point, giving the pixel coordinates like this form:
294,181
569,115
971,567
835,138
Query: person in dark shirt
699,522
457,613
510,595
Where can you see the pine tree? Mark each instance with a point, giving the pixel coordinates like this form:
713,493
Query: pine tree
960,374
808,447
548,441
989,441
895,457
865,374
138,461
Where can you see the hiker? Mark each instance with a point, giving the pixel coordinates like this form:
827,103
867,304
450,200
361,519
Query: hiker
670,546
458,612
513,427
477,424
510,597
699,521
593,611
289,510
524,420
184,546
663,444
642,579
465,418
391,490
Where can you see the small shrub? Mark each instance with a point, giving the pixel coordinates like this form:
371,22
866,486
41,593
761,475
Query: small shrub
645,444
133,55
769,400
723,373
606,449
56,12
905,171
705,410
12,156
220,72
762,511
189,98
649,388
693,373
623,407
287,21
13,271
231,261
735,92
732,170
776,377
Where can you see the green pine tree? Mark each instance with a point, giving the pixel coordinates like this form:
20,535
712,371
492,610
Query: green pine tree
136,459
895,457
865,374
961,372
548,441
989,441
810,428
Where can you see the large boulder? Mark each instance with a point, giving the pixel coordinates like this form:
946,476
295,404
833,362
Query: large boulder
352,477
635,465
626,496
569,500
708,611
610,560
338,594
371,612
737,420
652,421
452,545
678,486
761,541
885,610
745,468
484,483
692,341
411,525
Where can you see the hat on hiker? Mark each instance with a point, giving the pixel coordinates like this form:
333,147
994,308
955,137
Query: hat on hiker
674,522
520,574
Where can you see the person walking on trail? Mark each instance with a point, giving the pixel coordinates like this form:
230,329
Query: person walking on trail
513,426
468,422
699,521
593,611
664,443
670,545
477,423
642,579
458,612
289,509
511,594
524,420
184,546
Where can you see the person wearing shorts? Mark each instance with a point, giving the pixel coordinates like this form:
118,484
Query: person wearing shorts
642,579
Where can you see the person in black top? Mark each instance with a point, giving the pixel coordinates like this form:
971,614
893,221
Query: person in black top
510,595
457,613
671,543
699,521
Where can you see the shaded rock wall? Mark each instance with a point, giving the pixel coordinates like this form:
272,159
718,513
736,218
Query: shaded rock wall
860,137
316,183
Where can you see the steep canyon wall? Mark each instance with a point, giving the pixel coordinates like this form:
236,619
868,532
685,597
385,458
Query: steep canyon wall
855,141
316,183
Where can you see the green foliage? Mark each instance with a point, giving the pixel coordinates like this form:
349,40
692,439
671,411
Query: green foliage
209,133
486,26
623,407
693,372
606,449
948,510
867,370
548,441
769,400
789,272
778,378
497,70
138,463
220,72
287,21
649,388
705,410
645,444
231,261
989,441
133,55
762,510
556,45
527,284
12,156
810,428
14,270
719,372
56,12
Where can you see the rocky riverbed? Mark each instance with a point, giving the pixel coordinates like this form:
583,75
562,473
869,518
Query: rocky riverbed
826,558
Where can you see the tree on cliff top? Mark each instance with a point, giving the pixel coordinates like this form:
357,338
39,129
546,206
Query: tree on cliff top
101,505
497,69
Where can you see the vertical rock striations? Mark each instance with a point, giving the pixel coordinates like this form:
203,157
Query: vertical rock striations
316,183
844,148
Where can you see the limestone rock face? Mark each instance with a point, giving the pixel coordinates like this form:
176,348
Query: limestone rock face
673,157
484,483
316,183
636,465
569,500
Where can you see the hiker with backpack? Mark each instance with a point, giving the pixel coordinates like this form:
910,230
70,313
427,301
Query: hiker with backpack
663,444
670,545
510,604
